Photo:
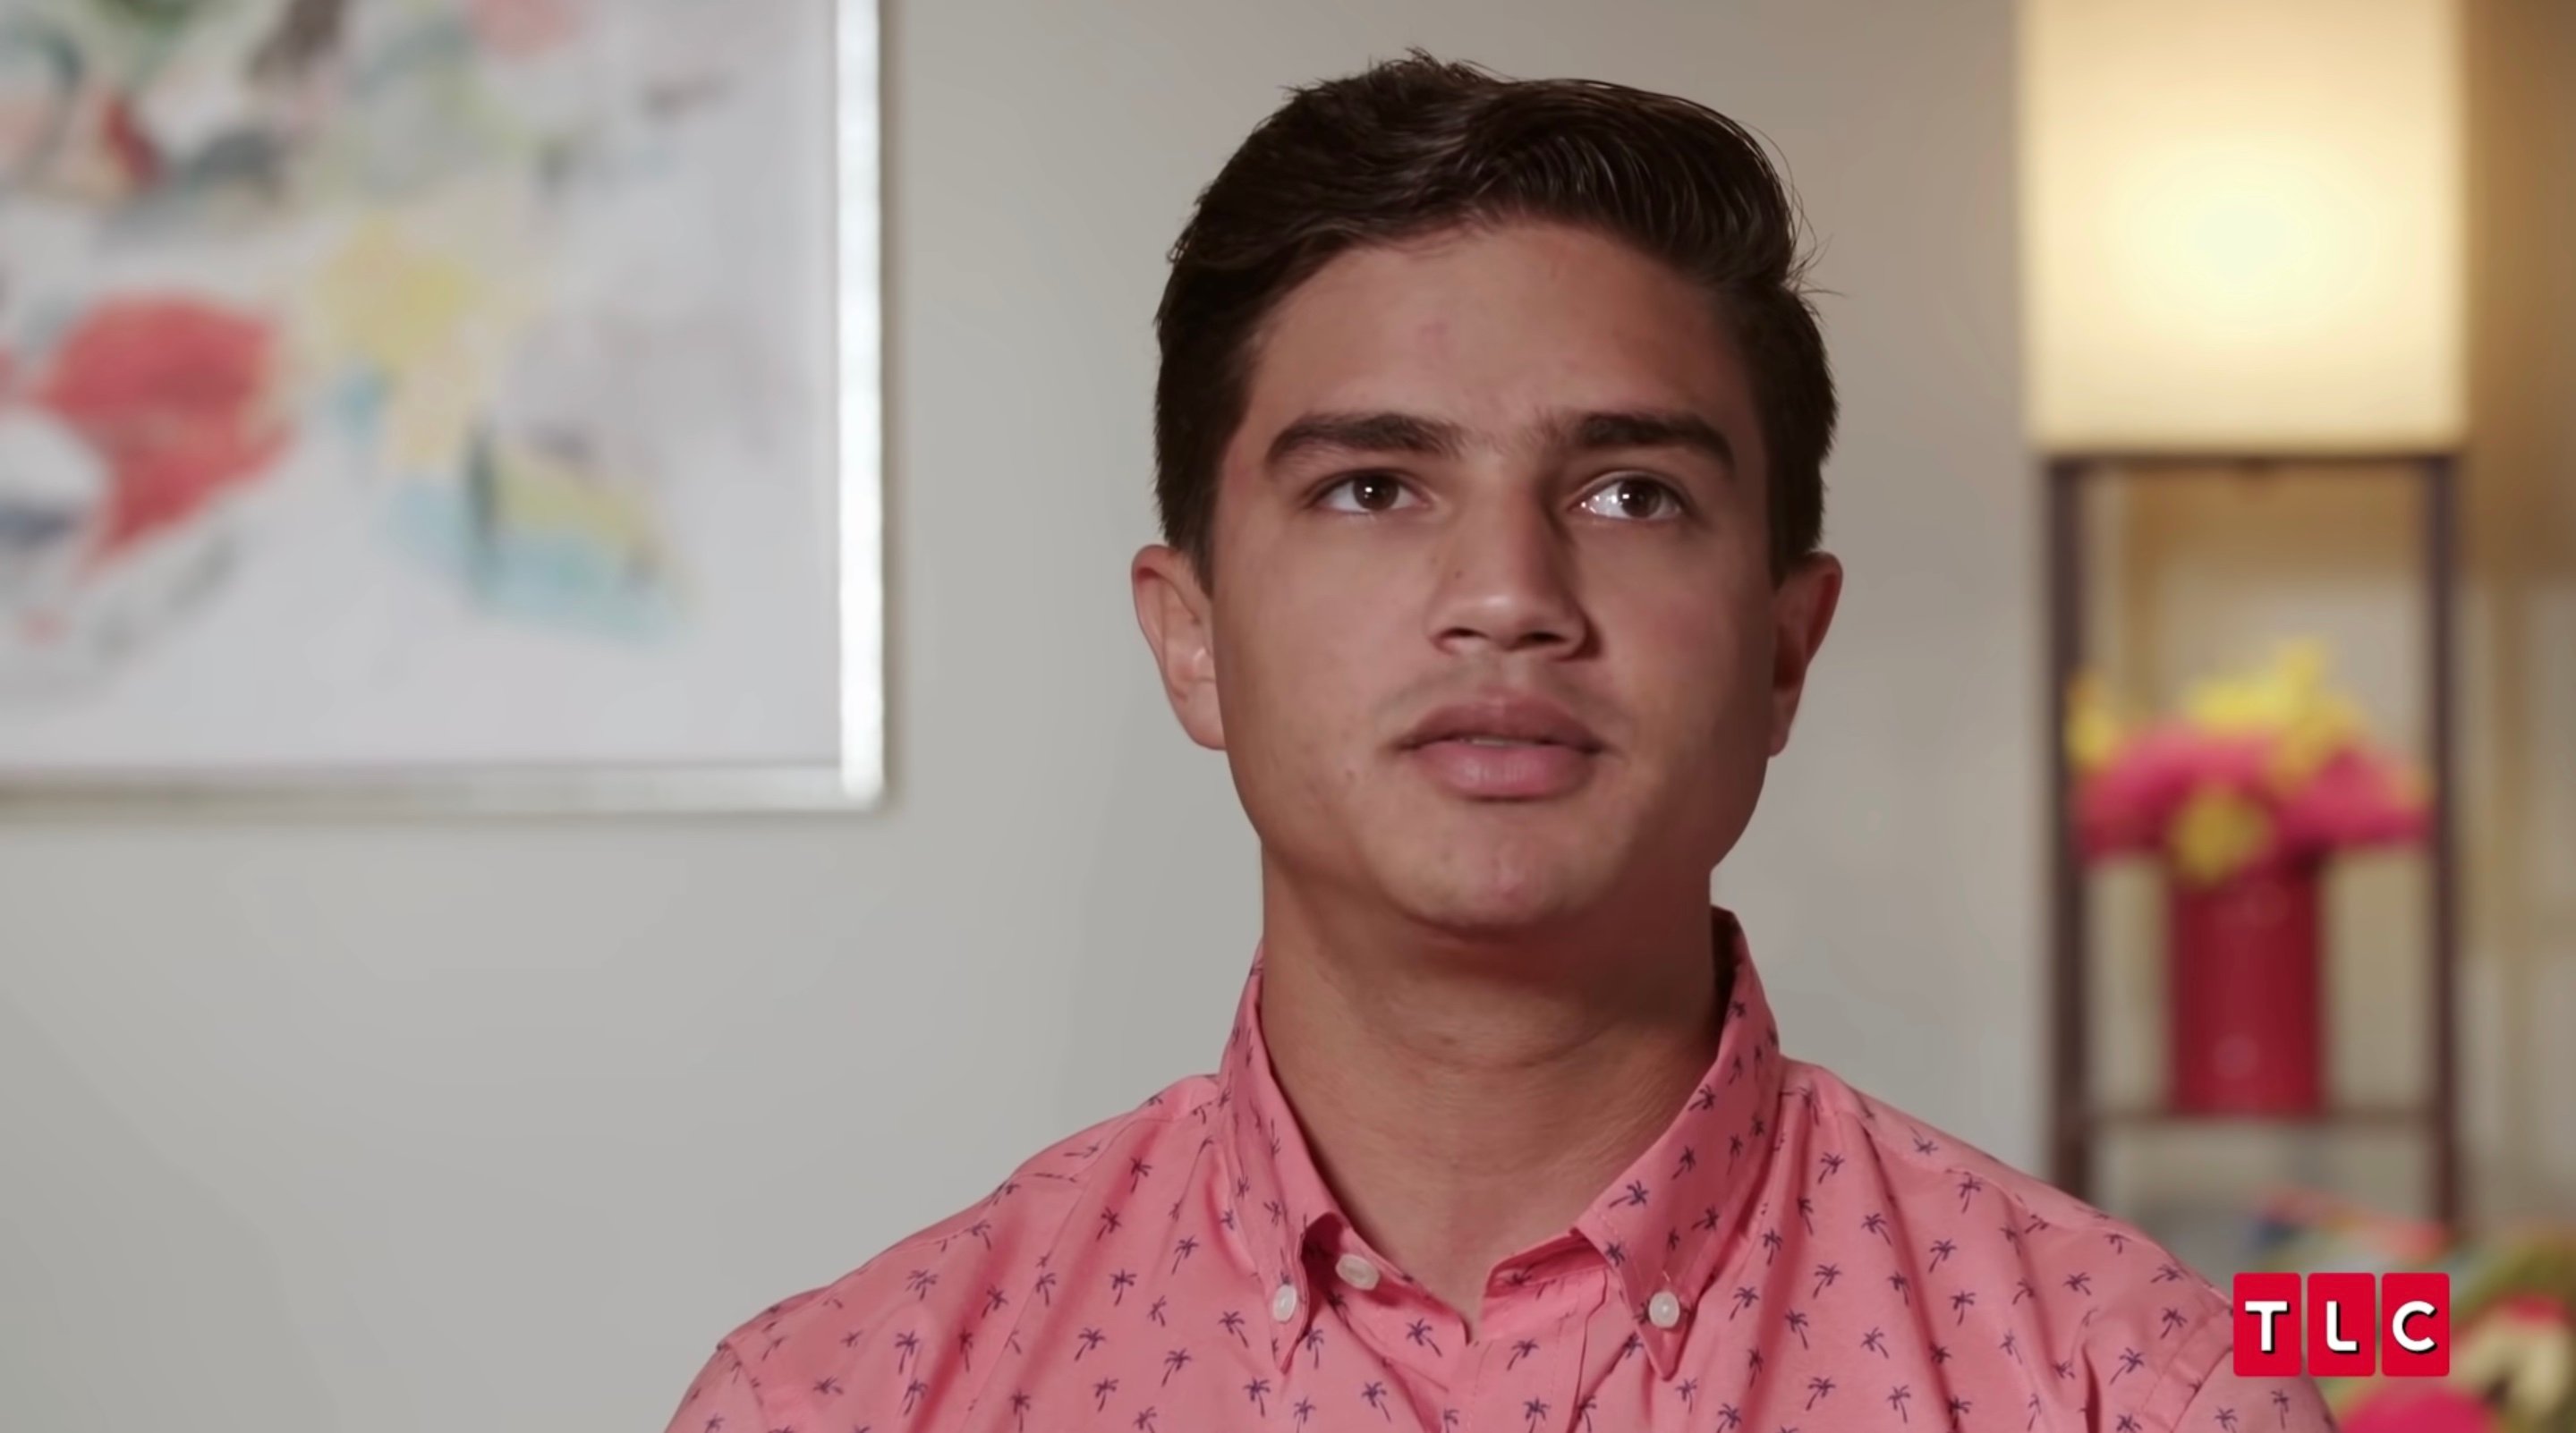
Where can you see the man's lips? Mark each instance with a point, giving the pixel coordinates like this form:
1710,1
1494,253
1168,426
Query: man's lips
1504,719
1504,747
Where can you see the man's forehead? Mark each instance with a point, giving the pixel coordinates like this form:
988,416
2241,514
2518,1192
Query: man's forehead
1499,342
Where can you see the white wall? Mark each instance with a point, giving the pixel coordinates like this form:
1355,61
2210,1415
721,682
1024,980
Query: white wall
499,1126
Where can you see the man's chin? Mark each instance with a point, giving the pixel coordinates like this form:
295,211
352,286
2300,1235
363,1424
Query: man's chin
1505,894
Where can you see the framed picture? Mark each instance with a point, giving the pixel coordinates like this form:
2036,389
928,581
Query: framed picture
440,403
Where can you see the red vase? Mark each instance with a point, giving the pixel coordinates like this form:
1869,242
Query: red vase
2246,997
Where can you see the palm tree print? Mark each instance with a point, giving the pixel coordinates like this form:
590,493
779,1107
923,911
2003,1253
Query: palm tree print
906,1344
1634,1196
2130,1362
1535,1410
921,1281
1314,1341
1729,1417
1798,1326
2168,1273
1145,1420
829,1388
1771,1242
1119,1283
1182,1250
1374,1395
1137,1169
1745,1298
2172,1319
1876,1223
1046,1288
1419,1332
1174,1362
1897,1398
1089,1339
1688,1161
1959,1408
912,1393
1818,1387
1875,1341
1521,1349
2022,1290
1832,1163
1825,1276
1258,1390
1156,1311
1303,1409
2080,1282
1942,1249
1901,1284
994,1300
1232,1322
1960,1303
1109,1224
1970,1187
2227,1419
1807,1213
1101,1392
2281,1405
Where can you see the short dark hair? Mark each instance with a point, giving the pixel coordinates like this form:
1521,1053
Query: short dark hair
1418,145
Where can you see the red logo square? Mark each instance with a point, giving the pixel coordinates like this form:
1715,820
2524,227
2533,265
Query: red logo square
2418,1310
2268,1331
2343,1325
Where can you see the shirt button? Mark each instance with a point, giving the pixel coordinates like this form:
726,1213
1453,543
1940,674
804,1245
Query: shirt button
1663,1310
1283,1305
1357,1272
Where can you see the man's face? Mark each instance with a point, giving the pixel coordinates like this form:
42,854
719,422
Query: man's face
1494,639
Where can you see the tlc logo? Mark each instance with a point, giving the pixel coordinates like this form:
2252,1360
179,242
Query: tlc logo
2354,1326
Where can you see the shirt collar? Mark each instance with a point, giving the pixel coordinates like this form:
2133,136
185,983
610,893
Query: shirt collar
1663,1225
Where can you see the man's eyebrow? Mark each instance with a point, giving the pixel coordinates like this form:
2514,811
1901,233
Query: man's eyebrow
1588,432
1391,432
1368,433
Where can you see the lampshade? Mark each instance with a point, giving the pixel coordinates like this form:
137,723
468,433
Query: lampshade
2242,225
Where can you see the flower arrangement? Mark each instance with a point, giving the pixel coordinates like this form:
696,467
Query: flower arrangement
2262,770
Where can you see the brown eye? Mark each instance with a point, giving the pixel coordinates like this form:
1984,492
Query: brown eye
1366,493
1633,500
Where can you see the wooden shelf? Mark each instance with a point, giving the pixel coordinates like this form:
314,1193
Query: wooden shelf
2078,1122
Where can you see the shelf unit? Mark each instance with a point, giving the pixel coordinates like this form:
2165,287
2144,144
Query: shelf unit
2077,1119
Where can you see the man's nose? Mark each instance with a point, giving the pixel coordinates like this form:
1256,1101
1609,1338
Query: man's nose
1506,581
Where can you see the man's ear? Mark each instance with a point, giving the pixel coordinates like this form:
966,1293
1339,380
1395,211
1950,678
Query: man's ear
1172,610
1802,609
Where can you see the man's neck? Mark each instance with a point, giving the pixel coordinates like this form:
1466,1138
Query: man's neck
1468,1099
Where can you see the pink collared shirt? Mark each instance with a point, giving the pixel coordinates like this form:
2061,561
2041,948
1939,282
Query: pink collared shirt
1790,1254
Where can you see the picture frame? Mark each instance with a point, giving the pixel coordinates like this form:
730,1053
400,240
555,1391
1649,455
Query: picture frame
512,447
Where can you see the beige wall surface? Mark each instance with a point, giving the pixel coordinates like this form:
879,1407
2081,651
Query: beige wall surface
405,1126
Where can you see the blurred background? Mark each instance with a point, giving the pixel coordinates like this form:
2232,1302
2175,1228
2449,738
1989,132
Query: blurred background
2207,490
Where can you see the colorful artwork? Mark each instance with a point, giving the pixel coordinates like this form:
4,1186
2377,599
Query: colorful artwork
439,382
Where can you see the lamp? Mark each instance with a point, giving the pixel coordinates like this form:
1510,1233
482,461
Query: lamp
2243,240
2242,223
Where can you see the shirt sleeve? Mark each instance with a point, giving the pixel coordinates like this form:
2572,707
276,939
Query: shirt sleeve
722,1399
2226,1403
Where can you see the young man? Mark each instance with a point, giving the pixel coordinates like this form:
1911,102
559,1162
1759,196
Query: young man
1490,430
